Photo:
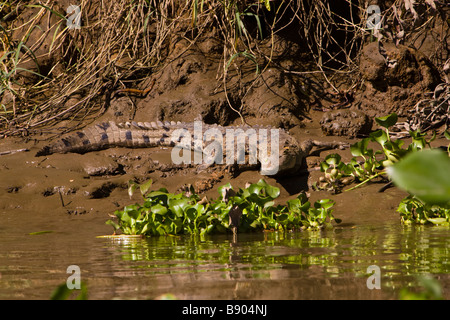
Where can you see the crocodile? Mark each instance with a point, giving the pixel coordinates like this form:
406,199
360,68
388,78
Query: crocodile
106,135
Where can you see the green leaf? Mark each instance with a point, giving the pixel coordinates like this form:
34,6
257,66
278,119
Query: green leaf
159,209
131,187
303,198
333,159
387,121
359,148
125,218
145,186
324,203
39,232
161,230
62,292
191,213
437,220
113,224
220,189
254,189
268,204
324,166
161,195
447,134
134,214
379,136
178,206
271,191
425,174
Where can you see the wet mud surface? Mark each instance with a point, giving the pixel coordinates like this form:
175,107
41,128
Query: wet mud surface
84,186
70,196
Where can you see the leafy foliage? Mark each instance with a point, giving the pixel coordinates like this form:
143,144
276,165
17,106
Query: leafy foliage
165,213
423,172
374,162
426,175
62,292
412,209
431,290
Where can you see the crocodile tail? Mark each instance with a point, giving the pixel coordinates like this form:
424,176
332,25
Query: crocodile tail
45,151
89,139
108,134
77,142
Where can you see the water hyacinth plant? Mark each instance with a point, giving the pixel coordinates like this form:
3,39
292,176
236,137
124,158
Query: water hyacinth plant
426,176
164,213
417,168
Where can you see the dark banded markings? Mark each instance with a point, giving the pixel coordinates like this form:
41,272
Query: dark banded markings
103,126
66,143
128,135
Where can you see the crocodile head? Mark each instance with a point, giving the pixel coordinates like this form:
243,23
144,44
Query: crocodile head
288,161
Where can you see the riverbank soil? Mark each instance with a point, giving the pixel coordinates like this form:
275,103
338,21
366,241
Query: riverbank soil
281,87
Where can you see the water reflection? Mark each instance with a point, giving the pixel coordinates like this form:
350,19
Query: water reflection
330,264
342,253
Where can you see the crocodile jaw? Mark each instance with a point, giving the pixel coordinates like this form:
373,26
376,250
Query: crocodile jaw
289,162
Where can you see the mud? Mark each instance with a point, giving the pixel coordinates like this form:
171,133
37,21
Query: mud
188,87
95,184
396,78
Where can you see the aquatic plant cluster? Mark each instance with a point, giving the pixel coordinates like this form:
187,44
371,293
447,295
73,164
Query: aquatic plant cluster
164,213
418,169
422,171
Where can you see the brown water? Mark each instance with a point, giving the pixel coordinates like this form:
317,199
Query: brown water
330,264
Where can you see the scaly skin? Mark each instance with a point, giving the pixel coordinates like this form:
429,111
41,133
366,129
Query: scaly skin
154,134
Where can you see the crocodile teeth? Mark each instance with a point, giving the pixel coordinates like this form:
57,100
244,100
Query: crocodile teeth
141,125
147,125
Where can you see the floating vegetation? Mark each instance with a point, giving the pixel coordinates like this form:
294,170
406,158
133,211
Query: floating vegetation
245,210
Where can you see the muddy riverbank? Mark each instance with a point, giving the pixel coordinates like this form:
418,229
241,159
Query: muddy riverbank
94,185
258,62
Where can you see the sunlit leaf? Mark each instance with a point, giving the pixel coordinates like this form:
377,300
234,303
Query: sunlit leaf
271,191
113,224
178,206
145,186
437,220
379,136
333,159
447,134
359,148
131,187
159,209
387,121
39,232
426,174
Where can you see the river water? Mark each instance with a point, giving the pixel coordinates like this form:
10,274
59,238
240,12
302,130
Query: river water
328,264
